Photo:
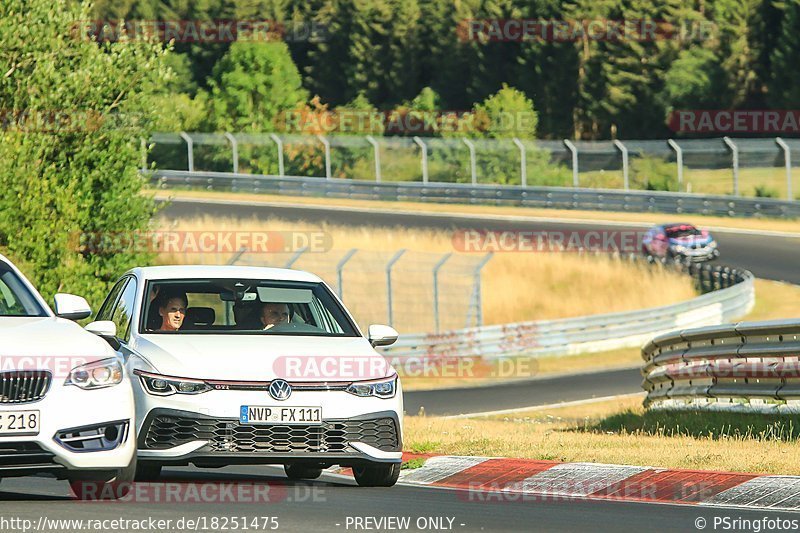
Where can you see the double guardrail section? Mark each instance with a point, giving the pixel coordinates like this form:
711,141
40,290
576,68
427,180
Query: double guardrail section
536,197
749,366
729,294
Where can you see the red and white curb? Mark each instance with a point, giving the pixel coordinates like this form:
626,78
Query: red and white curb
497,479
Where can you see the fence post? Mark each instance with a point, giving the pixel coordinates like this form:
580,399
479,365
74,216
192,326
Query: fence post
295,257
735,154
279,144
235,257
340,269
436,269
624,152
424,152
389,266
787,159
574,149
523,163
327,146
143,149
472,168
477,291
679,160
189,149
377,151
234,151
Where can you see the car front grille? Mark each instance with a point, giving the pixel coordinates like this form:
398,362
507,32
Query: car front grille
24,386
229,435
17,454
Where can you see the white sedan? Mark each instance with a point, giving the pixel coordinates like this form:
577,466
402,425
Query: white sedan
250,365
66,406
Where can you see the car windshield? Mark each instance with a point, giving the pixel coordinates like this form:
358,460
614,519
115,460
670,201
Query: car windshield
681,230
15,298
238,306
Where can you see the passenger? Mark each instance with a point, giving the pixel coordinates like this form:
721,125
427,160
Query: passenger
247,315
273,314
172,309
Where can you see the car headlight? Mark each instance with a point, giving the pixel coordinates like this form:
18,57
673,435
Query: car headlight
96,375
712,244
384,388
159,385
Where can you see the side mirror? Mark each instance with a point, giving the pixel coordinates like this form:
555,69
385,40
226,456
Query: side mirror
71,307
105,329
380,335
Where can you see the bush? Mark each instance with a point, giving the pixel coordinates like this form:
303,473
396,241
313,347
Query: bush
78,174
762,191
653,174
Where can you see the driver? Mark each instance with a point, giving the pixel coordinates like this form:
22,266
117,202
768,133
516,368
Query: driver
273,314
172,309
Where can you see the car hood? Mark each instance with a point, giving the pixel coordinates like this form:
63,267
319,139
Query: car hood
690,240
262,357
38,342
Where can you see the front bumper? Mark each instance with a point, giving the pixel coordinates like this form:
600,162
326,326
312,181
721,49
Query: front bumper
72,432
698,255
179,437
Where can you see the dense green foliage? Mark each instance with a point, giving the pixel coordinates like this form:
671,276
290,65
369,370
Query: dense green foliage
722,54
69,149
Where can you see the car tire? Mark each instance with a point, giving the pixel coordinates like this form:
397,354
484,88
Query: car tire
85,487
298,471
377,475
147,471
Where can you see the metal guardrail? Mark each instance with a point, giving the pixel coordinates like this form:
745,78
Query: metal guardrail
729,294
541,197
749,366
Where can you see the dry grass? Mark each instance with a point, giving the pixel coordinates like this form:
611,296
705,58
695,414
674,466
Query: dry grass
775,300
791,226
516,286
618,432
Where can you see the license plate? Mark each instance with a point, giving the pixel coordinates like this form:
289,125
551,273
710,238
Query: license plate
19,422
273,414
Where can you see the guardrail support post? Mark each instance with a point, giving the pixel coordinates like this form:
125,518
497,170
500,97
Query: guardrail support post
735,154
436,269
574,149
678,160
787,159
624,151
234,151
340,271
376,149
279,144
424,152
472,167
478,302
395,258
295,257
327,146
523,163
189,149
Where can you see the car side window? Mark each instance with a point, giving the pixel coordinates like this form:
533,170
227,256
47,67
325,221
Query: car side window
123,312
108,305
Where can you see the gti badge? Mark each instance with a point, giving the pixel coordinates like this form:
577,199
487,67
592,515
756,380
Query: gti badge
280,390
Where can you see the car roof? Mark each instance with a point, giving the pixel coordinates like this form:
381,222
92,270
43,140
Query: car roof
221,272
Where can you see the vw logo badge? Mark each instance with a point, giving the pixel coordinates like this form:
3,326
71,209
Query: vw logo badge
280,389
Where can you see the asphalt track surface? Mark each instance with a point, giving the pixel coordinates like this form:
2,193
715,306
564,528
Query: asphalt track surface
332,503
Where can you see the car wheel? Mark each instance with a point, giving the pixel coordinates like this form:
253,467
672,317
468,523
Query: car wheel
85,487
146,471
297,471
377,475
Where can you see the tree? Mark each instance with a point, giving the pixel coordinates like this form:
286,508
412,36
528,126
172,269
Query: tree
254,85
70,150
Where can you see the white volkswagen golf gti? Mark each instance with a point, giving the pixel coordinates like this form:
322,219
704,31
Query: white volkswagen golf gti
66,406
250,365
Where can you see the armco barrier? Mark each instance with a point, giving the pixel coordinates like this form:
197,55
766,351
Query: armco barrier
547,197
749,366
731,296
